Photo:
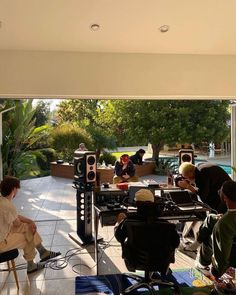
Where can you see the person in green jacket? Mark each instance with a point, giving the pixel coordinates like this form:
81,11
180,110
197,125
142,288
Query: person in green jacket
217,234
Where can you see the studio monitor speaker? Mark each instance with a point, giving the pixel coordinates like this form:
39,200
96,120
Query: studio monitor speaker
85,166
186,155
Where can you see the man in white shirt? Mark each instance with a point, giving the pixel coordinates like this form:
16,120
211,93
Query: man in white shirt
17,231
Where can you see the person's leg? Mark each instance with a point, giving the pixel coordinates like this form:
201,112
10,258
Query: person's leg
22,237
117,179
133,179
204,237
206,228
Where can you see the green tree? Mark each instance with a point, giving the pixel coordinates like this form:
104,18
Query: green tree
84,113
19,135
162,122
42,113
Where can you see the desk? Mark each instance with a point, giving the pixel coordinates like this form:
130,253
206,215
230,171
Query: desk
104,212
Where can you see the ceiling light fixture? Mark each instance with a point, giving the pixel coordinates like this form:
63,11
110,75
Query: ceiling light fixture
95,27
164,28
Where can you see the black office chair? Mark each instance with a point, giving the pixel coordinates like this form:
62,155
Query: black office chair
10,256
149,247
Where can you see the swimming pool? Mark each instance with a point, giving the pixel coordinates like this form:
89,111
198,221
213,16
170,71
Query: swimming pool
175,163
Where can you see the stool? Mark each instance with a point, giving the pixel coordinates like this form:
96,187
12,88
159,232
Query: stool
10,256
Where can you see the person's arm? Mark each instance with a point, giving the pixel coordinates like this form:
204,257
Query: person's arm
222,239
118,169
131,169
120,232
186,185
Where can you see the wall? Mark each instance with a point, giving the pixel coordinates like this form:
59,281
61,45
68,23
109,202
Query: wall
72,74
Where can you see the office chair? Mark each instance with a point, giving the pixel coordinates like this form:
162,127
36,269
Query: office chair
149,247
10,256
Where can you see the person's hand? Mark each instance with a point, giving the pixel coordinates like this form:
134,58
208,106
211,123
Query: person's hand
120,217
124,166
183,184
33,227
126,176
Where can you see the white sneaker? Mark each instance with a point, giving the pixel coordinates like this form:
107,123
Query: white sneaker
203,269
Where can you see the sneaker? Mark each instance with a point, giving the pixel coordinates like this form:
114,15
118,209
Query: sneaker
203,269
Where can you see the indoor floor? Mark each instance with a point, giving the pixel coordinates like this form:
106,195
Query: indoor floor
51,202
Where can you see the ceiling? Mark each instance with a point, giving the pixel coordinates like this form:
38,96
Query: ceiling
126,26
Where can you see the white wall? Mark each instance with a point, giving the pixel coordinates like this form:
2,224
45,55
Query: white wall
71,74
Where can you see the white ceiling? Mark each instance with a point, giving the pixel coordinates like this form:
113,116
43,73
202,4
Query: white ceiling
196,26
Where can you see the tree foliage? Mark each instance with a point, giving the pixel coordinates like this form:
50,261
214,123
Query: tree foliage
162,122
42,113
84,113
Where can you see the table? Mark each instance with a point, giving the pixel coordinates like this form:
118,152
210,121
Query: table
104,212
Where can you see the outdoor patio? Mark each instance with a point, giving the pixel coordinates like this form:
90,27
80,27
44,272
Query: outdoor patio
51,202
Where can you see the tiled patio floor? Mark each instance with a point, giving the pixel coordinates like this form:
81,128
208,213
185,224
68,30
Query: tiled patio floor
51,202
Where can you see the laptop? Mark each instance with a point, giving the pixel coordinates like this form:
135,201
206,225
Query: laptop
184,200
132,191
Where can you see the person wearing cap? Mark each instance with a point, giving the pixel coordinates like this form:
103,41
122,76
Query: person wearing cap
137,158
147,210
217,234
124,170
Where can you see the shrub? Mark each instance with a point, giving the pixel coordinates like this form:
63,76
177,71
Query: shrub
107,158
66,139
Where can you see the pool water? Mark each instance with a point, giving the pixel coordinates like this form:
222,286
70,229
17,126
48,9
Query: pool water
175,162
227,168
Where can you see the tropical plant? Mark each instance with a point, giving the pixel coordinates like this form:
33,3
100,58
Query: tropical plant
19,136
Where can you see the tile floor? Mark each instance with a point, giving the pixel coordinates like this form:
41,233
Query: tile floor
51,202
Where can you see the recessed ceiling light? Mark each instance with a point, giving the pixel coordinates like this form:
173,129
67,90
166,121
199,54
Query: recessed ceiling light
94,27
164,28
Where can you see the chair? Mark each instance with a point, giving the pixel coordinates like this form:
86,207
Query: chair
10,256
149,247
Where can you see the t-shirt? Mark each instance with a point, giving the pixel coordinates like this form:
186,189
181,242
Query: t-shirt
8,214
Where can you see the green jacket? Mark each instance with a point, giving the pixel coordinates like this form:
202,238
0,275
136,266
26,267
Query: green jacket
224,233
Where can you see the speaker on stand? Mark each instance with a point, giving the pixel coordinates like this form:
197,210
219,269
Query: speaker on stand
186,155
84,180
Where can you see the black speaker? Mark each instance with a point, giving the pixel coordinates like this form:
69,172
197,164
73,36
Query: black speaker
85,166
186,155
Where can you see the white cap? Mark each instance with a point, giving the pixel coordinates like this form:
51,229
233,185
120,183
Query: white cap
144,195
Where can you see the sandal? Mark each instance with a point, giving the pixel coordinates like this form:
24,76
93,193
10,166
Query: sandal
50,255
38,267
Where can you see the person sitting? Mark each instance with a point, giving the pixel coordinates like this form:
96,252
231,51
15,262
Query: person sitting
147,210
137,159
82,147
217,234
17,231
124,170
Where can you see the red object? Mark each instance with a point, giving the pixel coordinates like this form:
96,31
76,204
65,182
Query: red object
122,186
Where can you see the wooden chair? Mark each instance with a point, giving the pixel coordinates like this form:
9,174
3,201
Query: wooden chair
8,257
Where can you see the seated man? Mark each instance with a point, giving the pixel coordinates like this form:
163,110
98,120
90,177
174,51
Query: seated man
216,235
146,211
17,231
137,159
124,170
